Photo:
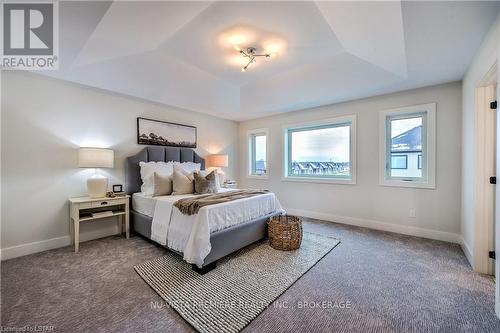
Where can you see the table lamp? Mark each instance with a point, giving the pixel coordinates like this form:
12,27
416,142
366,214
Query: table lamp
97,185
218,161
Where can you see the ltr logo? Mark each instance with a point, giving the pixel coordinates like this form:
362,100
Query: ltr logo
28,29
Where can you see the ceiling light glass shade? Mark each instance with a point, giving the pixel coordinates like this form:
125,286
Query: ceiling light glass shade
95,158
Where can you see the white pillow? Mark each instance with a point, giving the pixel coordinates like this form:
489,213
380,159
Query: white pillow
189,167
147,171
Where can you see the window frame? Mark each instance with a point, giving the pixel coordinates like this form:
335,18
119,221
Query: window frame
250,153
314,124
428,179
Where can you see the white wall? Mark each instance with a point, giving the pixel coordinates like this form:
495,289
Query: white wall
484,59
44,121
367,203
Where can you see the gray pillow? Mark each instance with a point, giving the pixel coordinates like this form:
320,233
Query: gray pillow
182,183
205,184
162,185
204,173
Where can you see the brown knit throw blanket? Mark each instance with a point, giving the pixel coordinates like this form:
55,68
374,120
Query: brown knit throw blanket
191,206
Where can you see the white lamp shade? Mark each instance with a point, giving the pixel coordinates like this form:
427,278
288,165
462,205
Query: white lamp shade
217,161
95,158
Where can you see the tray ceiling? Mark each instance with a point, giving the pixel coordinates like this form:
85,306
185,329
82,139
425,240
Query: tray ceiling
183,53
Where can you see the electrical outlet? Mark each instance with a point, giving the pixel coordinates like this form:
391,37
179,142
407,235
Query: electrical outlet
412,213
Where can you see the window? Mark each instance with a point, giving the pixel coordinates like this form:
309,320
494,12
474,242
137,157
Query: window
399,162
408,146
322,151
258,153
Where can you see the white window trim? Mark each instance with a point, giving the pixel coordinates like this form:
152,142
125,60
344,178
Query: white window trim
430,181
250,133
284,146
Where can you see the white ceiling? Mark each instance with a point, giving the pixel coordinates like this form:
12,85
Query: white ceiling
183,53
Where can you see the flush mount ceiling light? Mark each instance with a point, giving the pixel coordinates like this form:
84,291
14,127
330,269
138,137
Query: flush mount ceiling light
251,54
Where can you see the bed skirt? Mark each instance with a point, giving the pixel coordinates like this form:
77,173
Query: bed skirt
223,242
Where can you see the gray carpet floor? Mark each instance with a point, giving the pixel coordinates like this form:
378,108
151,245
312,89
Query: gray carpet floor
372,282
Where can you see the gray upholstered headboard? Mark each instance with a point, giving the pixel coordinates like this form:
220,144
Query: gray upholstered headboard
133,180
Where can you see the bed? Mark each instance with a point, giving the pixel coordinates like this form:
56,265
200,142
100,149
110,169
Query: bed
224,238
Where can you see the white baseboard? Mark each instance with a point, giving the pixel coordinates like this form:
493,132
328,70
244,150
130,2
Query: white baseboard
29,248
378,225
467,251
49,244
53,243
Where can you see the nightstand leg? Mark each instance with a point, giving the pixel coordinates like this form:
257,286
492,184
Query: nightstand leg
120,224
76,227
71,231
127,228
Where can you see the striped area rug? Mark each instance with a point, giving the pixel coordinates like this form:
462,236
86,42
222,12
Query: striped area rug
229,297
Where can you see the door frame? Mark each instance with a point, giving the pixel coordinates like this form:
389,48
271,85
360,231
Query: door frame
485,140
485,198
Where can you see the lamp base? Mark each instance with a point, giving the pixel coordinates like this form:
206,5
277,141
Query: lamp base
222,176
97,186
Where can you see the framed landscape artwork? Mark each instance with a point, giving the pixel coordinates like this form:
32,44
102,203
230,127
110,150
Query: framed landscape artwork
162,133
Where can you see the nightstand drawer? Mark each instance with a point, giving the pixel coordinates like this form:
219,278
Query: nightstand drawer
85,205
105,202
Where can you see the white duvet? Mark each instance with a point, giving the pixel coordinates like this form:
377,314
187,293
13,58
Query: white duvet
190,234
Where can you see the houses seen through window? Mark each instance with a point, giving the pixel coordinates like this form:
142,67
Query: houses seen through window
408,146
321,151
405,146
399,162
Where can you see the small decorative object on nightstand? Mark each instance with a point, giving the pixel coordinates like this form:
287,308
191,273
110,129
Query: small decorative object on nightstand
230,184
117,192
89,209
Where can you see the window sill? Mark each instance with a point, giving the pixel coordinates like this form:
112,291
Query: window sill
408,184
319,180
258,177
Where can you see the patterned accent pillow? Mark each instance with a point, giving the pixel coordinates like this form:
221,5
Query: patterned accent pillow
204,173
205,184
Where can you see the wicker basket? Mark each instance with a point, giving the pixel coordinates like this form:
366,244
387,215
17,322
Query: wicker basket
285,232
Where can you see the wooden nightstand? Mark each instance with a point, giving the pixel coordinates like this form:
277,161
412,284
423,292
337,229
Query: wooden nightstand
81,210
